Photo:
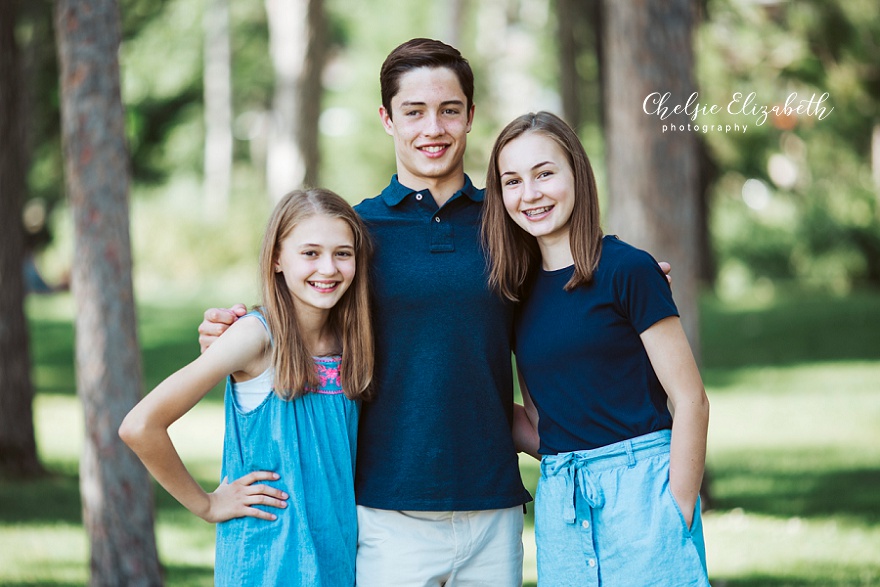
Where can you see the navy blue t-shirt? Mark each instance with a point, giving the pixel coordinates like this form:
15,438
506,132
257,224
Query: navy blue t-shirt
581,355
437,436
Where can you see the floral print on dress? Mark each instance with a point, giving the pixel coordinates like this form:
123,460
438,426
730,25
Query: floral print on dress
328,376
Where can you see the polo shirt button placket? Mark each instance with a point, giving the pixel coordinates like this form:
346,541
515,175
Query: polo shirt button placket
441,234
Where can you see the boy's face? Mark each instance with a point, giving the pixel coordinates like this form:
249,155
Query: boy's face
429,121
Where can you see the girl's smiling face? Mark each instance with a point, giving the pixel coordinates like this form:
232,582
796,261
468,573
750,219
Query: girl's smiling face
537,185
317,259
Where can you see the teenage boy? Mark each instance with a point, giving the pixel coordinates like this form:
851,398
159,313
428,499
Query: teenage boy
440,498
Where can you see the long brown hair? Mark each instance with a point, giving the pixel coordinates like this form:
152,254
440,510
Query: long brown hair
513,253
349,318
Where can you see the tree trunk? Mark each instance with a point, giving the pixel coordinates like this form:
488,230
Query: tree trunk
708,173
567,15
116,490
451,17
509,50
653,177
297,45
18,447
580,79
218,107
875,159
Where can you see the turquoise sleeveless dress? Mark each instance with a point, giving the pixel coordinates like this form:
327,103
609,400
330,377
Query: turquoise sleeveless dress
310,442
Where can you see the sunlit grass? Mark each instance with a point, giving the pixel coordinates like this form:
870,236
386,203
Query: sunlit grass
37,553
40,522
758,550
794,459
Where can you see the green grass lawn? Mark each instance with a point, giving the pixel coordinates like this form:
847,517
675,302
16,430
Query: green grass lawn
794,447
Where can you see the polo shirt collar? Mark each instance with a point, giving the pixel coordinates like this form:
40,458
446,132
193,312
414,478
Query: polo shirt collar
396,192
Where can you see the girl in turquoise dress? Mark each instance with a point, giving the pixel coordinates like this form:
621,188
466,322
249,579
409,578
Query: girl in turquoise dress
297,369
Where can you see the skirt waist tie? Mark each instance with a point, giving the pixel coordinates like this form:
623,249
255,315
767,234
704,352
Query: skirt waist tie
578,478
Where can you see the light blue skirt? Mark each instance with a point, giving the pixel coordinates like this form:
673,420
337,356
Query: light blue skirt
607,517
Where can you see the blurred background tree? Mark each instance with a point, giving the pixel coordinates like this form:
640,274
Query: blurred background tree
794,199
18,449
117,496
653,177
791,201
298,48
217,80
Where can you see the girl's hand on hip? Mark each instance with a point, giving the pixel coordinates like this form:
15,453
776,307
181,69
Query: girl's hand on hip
236,499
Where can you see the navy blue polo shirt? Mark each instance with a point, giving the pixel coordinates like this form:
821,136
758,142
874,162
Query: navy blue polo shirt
581,355
437,436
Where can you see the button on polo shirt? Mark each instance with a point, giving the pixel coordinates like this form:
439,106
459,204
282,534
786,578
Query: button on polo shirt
442,236
437,435
421,205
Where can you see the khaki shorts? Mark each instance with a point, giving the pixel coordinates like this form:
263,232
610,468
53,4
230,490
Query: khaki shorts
433,549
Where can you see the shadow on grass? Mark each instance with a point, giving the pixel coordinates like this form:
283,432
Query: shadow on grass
801,328
55,499
168,340
189,575
46,583
799,493
50,499
51,345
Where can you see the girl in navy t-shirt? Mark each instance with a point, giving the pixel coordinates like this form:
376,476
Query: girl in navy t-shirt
601,354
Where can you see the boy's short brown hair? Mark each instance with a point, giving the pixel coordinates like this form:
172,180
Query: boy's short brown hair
417,53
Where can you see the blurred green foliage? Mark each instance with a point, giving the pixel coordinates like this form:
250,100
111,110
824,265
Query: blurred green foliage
793,198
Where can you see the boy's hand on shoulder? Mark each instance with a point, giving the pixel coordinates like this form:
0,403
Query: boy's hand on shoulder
667,269
215,323
236,499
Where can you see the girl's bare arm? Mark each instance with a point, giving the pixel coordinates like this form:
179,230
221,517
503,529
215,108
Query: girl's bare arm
674,364
145,428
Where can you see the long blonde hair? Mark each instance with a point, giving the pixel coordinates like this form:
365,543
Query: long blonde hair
513,253
349,318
